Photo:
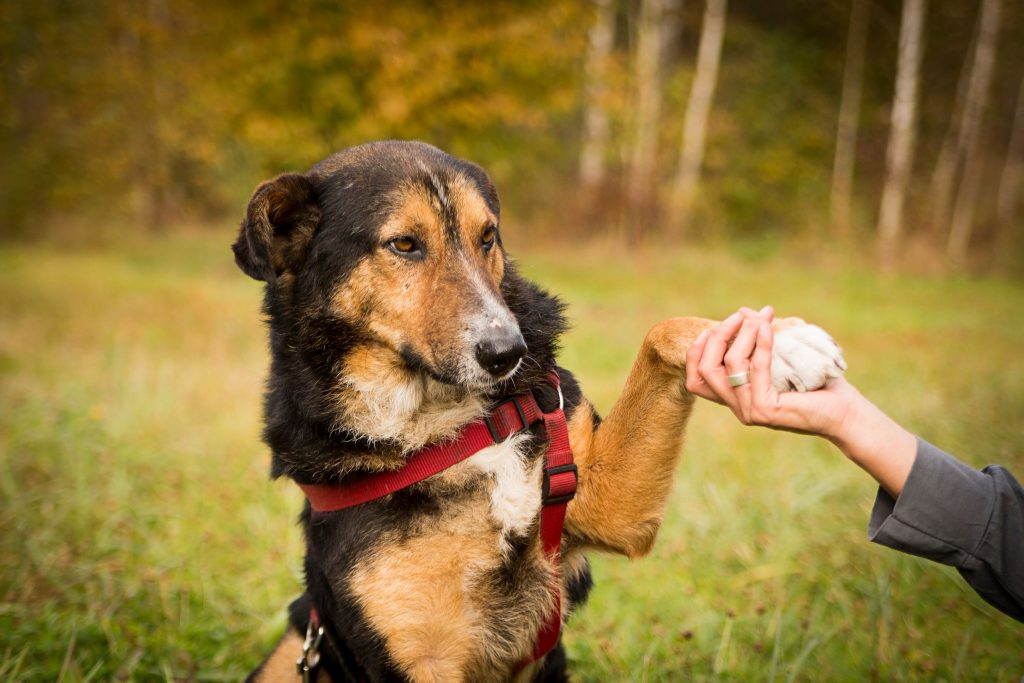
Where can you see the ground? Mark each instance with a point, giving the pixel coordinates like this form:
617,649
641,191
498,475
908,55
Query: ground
142,539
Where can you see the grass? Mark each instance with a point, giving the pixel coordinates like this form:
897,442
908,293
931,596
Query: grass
141,539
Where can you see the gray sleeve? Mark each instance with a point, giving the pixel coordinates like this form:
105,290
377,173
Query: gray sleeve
956,515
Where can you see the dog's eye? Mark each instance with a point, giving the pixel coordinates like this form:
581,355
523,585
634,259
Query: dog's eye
487,238
404,246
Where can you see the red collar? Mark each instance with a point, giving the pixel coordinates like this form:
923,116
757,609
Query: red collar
511,416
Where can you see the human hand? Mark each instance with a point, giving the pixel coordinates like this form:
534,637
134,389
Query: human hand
838,412
711,359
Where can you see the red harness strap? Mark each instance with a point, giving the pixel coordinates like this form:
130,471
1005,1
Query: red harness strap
559,488
509,417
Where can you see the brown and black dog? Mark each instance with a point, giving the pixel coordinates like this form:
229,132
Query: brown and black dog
395,319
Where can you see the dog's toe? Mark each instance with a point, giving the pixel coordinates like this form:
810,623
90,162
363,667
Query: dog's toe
805,358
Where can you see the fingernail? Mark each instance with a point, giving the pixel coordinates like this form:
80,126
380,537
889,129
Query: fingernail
733,318
764,310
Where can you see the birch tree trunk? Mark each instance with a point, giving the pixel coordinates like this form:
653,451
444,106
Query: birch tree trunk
1012,178
691,155
974,109
952,152
900,152
849,115
595,116
640,190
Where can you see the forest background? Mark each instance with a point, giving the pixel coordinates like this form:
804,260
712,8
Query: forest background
856,162
801,116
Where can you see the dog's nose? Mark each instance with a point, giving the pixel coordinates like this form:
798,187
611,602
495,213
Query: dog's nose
499,355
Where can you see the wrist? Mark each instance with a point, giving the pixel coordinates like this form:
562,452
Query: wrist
850,417
876,443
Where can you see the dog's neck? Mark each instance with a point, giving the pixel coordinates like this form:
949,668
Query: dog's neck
405,408
375,424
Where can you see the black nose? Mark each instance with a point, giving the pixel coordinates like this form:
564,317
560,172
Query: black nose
498,356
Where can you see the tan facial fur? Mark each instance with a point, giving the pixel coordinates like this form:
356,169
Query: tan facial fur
382,398
428,304
431,308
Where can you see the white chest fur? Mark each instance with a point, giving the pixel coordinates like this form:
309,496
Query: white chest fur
515,496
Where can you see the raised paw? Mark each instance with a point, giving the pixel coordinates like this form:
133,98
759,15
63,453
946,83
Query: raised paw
804,357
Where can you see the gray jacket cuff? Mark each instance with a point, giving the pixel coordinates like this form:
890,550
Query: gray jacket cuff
942,513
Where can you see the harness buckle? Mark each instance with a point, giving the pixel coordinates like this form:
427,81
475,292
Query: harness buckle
310,659
568,495
493,429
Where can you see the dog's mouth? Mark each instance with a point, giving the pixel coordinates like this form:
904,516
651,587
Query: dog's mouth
491,381
481,371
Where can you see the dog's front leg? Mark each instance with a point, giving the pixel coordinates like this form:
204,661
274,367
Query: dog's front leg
626,462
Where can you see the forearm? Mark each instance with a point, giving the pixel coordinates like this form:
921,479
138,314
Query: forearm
876,443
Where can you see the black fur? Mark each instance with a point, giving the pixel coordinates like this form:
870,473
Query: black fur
307,345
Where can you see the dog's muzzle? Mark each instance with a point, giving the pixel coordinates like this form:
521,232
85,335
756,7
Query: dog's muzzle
499,353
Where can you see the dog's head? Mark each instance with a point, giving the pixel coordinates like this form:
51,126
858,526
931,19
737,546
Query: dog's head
386,254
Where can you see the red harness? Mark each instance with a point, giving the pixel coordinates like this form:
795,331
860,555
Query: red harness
511,416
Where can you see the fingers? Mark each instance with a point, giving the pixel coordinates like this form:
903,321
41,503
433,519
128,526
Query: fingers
711,364
724,350
738,361
743,342
761,360
737,358
768,313
762,392
695,384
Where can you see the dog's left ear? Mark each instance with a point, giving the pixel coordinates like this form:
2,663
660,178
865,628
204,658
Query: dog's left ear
279,222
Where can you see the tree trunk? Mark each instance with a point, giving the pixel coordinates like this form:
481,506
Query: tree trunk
849,114
640,191
1011,179
691,155
595,116
150,40
900,152
974,110
952,152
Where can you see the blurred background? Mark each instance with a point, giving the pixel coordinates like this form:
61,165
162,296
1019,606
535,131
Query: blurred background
658,119
856,162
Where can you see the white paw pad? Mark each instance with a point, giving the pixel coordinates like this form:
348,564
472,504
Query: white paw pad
805,358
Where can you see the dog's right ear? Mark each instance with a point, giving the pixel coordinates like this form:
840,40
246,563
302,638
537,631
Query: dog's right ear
279,222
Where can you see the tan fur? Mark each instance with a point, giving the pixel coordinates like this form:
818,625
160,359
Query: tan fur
437,634
381,398
474,217
418,305
626,464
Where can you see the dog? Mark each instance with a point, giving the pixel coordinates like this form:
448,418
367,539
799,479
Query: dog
396,319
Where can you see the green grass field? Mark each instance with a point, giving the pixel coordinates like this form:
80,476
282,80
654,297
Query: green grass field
140,538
